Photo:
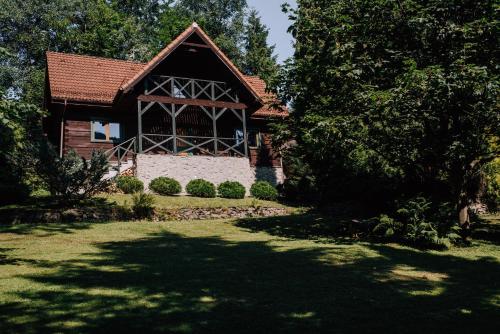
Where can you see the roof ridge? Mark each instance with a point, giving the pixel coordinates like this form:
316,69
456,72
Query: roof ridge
96,57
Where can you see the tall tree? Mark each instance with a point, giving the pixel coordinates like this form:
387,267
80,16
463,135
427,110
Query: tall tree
223,20
402,90
259,59
29,28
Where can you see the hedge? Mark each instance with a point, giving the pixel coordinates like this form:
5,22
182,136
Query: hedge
165,186
201,188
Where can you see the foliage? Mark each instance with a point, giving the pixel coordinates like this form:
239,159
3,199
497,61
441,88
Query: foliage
420,223
92,27
387,227
402,94
490,194
201,188
231,189
143,204
165,186
129,184
20,130
264,190
223,20
300,183
258,59
71,177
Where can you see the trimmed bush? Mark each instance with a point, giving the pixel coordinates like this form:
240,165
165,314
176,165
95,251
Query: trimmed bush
165,186
264,190
129,184
200,188
231,189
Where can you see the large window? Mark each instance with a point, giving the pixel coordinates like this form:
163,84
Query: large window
105,131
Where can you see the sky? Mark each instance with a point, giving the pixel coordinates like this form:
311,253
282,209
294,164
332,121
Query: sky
277,22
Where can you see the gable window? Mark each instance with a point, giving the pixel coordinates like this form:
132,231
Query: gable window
105,131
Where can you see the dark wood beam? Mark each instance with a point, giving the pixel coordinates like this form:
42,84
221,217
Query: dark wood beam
192,102
196,45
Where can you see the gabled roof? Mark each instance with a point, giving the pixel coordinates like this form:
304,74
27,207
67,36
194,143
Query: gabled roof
87,79
193,29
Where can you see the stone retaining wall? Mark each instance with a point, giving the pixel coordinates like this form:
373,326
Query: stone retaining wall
117,213
213,169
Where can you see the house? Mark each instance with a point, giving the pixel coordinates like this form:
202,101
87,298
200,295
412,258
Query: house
188,113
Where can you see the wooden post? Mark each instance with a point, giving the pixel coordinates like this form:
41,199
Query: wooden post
174,129
214,120
245,137
139,125
172,110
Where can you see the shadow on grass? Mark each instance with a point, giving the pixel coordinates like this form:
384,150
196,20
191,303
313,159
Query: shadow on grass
309,226
172,283
487,228
51,217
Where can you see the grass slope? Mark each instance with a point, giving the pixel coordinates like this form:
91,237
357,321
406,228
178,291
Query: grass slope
248,276
176,202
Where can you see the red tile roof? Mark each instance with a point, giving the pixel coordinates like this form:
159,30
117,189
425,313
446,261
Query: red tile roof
272,106
99,80
87,79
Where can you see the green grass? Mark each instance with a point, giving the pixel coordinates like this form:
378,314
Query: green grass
247,276
175,202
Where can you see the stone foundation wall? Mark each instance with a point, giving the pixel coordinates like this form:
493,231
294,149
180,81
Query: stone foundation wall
213,169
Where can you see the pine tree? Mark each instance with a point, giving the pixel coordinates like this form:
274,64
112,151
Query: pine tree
259,59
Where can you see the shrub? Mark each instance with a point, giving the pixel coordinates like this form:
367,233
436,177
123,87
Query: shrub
201,188
72,176
264,190
142,205
420,223
231,189
388,228
165,186
129,184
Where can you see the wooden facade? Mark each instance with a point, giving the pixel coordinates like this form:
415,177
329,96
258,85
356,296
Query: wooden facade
187,100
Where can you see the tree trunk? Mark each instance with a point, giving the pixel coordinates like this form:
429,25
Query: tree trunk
463,215
463,218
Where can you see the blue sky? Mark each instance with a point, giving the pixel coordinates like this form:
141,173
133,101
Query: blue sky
277,22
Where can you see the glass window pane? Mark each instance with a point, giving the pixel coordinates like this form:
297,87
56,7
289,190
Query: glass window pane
114,131
99,130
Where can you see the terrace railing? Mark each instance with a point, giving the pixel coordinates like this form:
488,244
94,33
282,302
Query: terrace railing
122,151
189,88
196,145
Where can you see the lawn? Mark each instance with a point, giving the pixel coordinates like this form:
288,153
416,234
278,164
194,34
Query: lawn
176,202
237,276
